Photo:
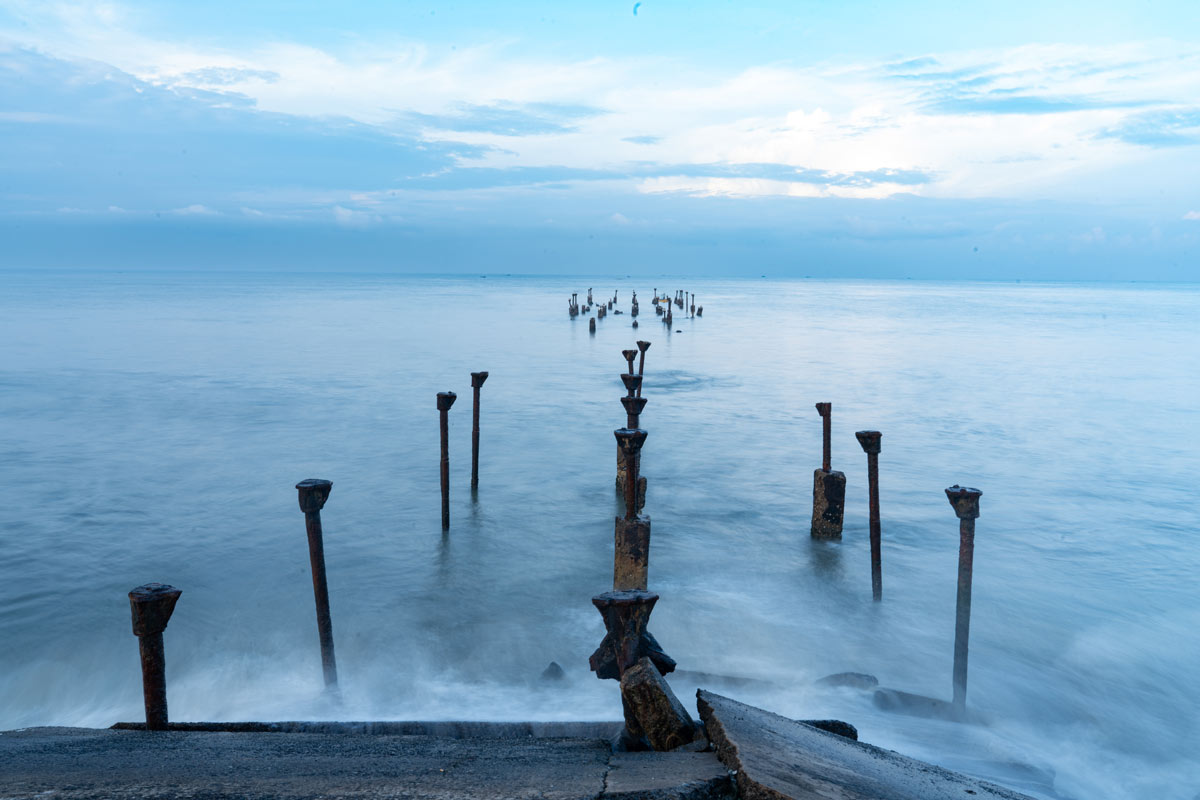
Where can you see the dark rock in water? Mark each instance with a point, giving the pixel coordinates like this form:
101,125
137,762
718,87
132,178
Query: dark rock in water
635,323
855,680
917,705
775,757
655,709
834,726
553,672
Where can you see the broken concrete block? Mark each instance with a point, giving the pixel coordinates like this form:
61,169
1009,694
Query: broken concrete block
780,758
829,502
655,709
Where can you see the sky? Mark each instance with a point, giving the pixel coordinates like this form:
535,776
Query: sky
1014,140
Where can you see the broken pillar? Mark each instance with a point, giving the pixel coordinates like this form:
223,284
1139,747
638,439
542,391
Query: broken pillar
829,487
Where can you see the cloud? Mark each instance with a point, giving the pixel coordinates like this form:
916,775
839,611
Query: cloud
642,139
1193,215
506,119
1166,128
195,209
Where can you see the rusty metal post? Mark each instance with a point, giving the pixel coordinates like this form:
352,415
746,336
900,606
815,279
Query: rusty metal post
630,355
477,379
826,412
829,486
870,445
642,347
966,506
313,493
444,401
151,606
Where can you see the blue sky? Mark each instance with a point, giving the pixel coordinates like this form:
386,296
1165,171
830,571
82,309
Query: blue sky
987,140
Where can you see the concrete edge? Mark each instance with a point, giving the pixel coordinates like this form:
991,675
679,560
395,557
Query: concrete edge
445,730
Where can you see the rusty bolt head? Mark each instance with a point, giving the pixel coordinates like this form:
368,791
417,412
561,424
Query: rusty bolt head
152,605
313,494
824,408
869,440
630,440
965,501
643,346
477,379
633,405
445,400
632,383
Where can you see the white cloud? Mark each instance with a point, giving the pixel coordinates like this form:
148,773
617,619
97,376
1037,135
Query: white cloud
619,218
1192,215
1020,122
195,209
350,218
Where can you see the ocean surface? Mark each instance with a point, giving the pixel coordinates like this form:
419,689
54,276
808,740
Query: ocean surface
153,425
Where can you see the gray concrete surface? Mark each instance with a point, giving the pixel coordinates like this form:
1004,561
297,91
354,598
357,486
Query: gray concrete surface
71,763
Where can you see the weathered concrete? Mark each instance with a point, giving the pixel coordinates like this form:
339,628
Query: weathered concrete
776,757
829,503
631,559
656,712
75,763
659,776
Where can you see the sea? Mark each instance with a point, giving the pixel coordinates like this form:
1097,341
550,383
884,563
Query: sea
153,426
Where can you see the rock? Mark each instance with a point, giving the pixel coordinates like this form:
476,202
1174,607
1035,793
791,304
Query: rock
648,698
835,726
855,680
553,672
918,705
775,757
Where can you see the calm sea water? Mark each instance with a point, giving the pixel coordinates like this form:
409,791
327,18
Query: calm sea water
152,427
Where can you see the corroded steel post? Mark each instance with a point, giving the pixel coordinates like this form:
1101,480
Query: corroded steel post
966,506
642,348
444,401
829,487
151,606
477,379
313,493
870,445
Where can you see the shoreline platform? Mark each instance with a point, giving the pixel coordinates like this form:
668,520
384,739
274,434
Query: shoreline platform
751,753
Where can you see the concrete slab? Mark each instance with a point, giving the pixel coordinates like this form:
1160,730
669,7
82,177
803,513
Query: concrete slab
660,776
775,757
481,761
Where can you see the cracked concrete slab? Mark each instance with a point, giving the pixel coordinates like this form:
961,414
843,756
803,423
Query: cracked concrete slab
481,762
779,758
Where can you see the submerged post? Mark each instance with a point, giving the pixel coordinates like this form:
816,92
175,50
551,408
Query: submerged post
444,401
477,379
829,487
870,445
313,494
966,506
151,606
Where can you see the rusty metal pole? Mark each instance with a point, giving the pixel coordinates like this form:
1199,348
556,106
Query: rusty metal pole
313,492
477,379
966,506
829,486
826,412
444,401
642,347
870,445
630,355
151,606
